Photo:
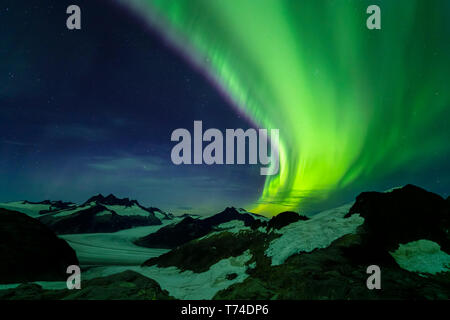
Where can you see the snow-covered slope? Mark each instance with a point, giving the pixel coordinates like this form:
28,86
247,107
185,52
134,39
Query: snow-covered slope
134,210
70,211
115,248
318,232
34,209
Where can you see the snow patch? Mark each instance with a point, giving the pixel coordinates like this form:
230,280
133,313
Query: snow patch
104,213
68,212
422,256
233,226
262,229
134,210
318,232
392,189
160,215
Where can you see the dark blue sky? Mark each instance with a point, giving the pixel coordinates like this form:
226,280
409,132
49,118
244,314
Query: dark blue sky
91,111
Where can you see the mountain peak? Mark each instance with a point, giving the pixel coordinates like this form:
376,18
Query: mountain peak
230,210
98,197
111,200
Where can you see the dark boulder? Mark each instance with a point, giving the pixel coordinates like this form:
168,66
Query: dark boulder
330,274
30,251
401,216
285,218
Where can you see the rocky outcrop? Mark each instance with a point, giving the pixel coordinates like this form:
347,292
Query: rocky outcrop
285,218
111,200
30,251
127,285
331,273
339,271
199,255
53,205
189,229
401,216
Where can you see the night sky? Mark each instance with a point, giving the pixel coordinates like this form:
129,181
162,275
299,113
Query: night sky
91,111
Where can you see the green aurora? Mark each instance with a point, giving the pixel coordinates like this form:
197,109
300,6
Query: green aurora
351,104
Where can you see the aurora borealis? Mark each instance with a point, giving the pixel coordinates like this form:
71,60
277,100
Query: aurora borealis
92,111
353,105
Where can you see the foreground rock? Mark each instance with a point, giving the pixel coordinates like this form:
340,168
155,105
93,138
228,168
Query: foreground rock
30,251
403,215
127,285
333,273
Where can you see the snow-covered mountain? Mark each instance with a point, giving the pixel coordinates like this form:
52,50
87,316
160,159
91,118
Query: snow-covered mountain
192,228
97,214
103,214
35,209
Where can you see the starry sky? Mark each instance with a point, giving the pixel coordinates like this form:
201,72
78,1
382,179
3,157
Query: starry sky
91,111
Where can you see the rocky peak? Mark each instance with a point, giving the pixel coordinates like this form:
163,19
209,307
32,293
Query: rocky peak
111,200
403,215
285,218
